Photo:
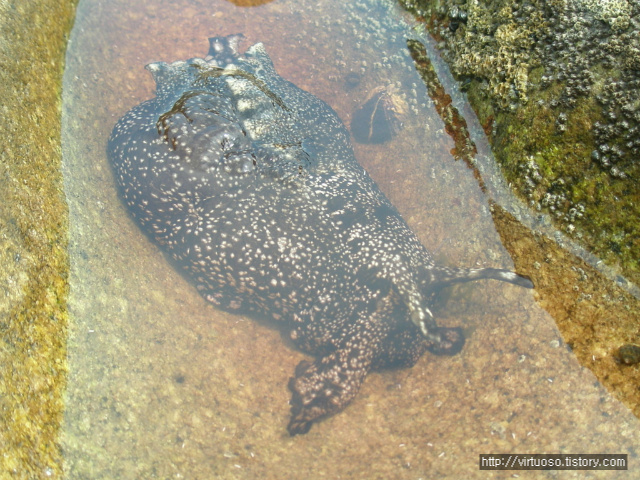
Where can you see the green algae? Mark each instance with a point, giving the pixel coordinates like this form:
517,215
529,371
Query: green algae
608,221
499,49
546,154
33,242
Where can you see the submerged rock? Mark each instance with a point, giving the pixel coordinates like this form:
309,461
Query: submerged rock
251,186
380,118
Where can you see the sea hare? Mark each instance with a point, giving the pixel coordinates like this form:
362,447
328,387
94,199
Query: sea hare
250,184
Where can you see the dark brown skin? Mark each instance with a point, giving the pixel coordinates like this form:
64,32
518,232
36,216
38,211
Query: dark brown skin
250,185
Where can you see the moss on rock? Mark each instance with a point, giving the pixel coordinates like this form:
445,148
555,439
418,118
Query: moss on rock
555,85
33,237
568,142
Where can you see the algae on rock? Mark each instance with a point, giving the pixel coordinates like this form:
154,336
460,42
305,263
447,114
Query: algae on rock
555,86
33,238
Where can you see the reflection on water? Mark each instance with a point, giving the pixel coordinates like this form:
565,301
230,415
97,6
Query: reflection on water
164,385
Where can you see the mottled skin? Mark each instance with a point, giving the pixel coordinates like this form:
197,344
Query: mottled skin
251,185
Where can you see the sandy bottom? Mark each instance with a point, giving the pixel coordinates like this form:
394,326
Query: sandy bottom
163,385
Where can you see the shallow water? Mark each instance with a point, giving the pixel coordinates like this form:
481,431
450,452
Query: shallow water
163,385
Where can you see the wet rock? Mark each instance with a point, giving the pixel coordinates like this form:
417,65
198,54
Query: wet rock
558,82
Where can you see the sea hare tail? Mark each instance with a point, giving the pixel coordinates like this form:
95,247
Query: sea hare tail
444,276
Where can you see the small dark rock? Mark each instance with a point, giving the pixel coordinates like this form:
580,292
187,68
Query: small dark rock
380,118
629,354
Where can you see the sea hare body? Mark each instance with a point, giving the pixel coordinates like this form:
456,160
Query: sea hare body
250,184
